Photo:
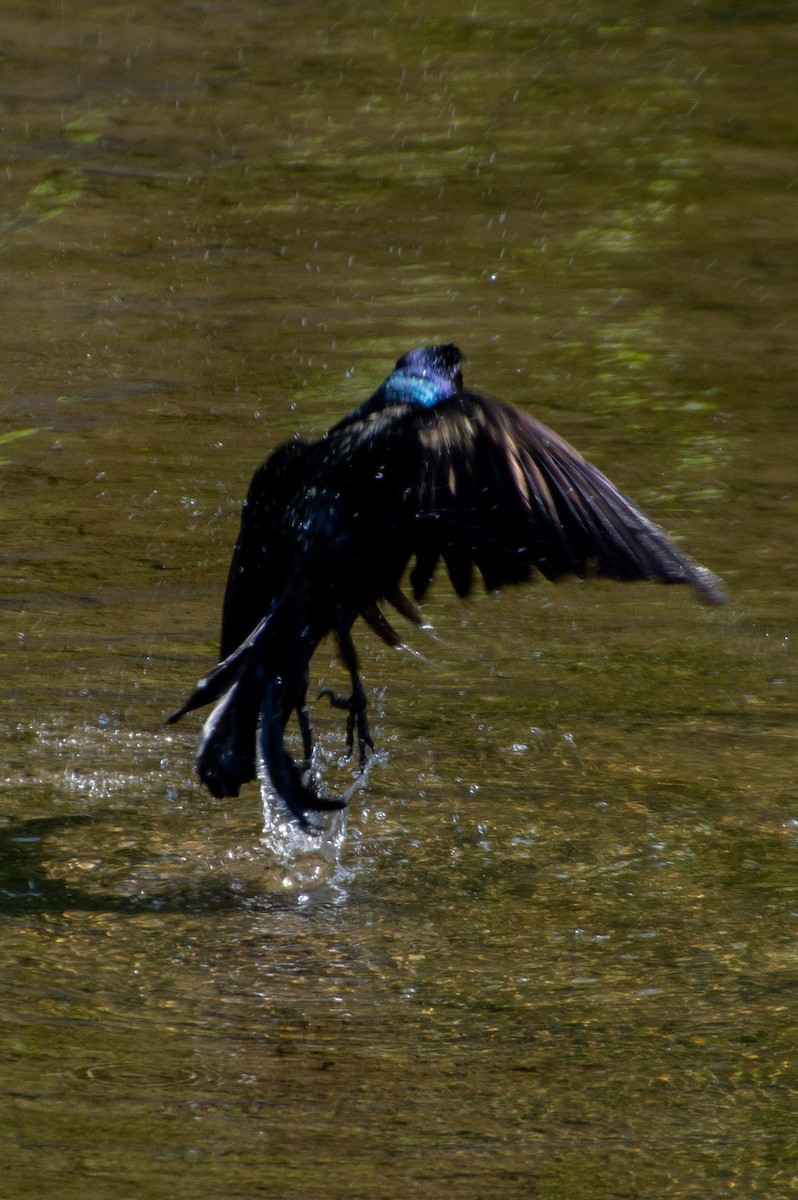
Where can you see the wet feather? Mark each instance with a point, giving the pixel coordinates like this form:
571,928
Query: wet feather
422,472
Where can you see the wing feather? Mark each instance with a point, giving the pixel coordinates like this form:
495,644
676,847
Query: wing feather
258,567
476,483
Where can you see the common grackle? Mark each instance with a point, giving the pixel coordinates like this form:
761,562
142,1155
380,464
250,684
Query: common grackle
424,470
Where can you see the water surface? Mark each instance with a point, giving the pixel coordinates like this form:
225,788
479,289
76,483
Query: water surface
554,953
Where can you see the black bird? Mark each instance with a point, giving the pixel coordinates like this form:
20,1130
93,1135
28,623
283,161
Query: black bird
423,470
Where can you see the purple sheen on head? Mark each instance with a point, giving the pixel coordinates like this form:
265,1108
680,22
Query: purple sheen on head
439,364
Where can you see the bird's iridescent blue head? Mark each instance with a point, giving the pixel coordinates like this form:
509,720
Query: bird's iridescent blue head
425,377
421,379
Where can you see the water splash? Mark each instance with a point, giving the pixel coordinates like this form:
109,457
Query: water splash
308,858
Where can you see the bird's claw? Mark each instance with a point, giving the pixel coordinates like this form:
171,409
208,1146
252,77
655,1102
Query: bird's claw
355,706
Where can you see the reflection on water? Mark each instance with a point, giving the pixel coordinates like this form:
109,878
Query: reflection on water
548,950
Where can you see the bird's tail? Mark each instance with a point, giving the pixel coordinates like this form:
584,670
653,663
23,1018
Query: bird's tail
247,724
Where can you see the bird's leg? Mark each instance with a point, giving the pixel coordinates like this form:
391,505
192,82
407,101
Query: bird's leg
355,704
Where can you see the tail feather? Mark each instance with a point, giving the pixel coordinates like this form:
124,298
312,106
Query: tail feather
243,736
222,678
281,769
226,755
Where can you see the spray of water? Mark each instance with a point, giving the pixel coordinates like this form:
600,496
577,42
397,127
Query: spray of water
309,858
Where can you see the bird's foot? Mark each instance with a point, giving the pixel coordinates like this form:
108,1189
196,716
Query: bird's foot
355,705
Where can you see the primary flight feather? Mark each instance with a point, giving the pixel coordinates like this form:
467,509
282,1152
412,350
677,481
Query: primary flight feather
422,471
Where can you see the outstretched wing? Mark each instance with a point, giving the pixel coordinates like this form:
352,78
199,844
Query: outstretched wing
479,484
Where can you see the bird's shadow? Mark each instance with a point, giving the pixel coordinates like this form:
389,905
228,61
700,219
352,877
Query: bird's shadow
29,884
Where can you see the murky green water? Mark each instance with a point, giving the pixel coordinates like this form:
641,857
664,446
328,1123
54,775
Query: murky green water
555,956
